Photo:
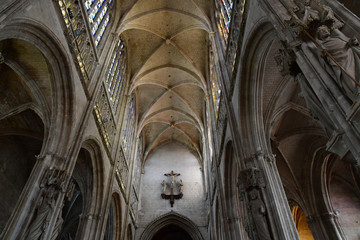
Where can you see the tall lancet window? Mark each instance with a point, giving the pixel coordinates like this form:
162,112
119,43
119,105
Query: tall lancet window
214,81
116,76
129,128
223,17
86,22
98,12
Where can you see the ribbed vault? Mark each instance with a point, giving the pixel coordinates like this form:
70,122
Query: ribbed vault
167,44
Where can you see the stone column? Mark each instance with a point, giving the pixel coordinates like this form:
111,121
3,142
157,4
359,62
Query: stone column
268,212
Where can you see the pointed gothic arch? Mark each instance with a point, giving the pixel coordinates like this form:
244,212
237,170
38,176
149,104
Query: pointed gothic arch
56,113
171,218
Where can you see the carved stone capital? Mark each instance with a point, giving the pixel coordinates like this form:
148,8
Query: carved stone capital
252,178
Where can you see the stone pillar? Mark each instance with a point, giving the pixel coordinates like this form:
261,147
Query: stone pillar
268,212
41,202
325,226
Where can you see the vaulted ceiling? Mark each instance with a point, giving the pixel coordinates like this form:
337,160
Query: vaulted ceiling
167,45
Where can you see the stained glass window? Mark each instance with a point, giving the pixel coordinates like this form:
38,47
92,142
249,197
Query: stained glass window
98,16
116,76
129,128
215,86
223,15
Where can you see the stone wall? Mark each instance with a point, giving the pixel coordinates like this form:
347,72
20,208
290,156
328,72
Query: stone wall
193,205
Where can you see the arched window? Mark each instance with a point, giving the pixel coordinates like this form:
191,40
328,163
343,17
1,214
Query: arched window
86,22
116,76
128,130
215,86
223,17
98,16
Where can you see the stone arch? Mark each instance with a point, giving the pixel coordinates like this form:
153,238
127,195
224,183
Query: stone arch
343,195
117,215
110,226
92,146
174,219
21,140
258,69
57,111
301,223
45,97
82,214
250,88
129,232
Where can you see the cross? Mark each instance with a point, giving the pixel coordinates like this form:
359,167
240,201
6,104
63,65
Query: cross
171,196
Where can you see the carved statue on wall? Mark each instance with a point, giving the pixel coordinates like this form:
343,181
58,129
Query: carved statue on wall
180,186
310,14
51,185
345,64
258,211
164,186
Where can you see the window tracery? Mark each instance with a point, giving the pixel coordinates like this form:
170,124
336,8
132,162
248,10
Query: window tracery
223,17
116,76
98,12
122,170
129,128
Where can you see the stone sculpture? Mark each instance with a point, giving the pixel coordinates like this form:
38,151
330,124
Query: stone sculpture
258,211
51,185
344,65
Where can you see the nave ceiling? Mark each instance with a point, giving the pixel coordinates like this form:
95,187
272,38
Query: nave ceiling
167,46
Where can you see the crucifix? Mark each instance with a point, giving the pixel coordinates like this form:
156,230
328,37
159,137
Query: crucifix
173,184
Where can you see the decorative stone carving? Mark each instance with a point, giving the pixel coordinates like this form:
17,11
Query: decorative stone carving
235,33
286,62
164,187
59,222
122,170
309,15
258,212
105,118
52,184
180,186
342,59
173,185
255,222
252,177
79,38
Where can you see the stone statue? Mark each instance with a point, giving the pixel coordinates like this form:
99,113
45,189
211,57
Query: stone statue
164,186
258,211
180,186
346,53
51,185
310,14
43,214
328,16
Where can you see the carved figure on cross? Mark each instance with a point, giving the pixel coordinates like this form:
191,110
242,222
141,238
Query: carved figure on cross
173,184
